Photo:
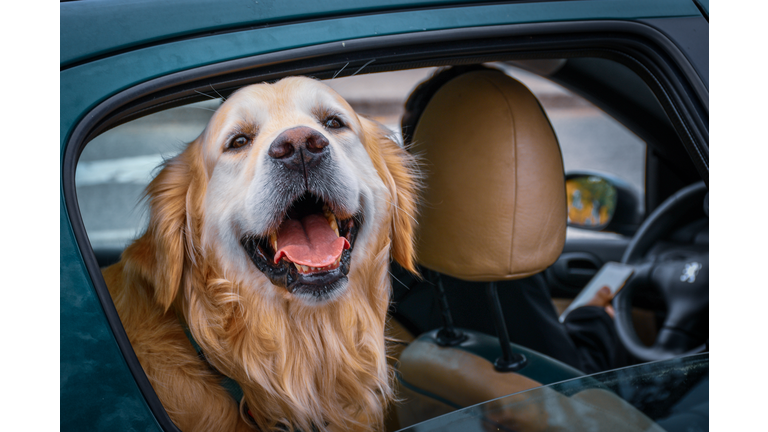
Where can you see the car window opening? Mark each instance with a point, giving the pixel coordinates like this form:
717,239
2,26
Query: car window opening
116,166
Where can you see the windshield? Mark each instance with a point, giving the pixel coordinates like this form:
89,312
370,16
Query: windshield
671,395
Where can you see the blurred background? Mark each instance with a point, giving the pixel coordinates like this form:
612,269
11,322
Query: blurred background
115,167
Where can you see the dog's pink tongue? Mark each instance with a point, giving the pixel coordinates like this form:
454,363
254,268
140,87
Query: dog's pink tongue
310,242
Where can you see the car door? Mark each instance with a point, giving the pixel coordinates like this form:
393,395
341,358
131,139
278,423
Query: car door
122,60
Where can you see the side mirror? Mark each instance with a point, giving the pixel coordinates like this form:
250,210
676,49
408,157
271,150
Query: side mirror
600,202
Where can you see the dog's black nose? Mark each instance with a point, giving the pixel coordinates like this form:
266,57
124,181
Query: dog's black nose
299,148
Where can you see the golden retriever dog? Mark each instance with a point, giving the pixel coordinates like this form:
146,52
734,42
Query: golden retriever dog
269,242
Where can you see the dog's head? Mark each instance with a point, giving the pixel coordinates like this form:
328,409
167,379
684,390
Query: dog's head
276,225
299,183
286,185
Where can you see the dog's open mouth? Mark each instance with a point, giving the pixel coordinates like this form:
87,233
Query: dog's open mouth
311,250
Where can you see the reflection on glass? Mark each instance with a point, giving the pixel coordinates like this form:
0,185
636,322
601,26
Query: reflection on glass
671,395
591,201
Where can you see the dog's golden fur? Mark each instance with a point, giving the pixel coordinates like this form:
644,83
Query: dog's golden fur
300,364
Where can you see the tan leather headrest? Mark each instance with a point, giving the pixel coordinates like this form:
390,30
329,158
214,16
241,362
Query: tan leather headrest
494,206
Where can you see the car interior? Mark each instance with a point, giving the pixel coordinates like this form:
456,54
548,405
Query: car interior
503,246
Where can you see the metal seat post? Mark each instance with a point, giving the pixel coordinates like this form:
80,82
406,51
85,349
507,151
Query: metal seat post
448,335
509,360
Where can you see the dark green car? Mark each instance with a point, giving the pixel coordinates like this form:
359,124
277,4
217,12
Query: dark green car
625,85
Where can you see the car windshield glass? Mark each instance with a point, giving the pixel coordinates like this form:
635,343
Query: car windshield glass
671,395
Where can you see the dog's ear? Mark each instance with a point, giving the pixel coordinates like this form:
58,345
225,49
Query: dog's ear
174,198
399,171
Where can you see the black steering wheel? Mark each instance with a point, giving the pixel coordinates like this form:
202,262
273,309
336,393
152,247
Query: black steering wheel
680,273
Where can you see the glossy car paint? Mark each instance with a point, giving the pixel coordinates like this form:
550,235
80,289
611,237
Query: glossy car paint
107,47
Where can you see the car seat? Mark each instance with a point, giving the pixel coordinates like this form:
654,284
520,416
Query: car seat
494,209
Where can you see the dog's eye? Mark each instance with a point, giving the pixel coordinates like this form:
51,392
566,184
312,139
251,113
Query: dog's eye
238,141
333,123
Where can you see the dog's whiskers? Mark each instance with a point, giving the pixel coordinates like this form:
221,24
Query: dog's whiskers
342,68
363,66
401,283
222,97
202,108
205,94
400,209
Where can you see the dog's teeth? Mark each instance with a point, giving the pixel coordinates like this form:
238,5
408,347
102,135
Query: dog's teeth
273,240
334,226
310,269
331,218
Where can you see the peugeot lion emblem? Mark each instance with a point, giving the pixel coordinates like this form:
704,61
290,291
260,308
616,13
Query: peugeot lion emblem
690,271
